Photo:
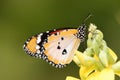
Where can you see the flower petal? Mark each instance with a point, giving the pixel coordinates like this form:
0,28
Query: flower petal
112,53
85,71
71,78
94,76
76,60
103,58
84,59
106,73
116,68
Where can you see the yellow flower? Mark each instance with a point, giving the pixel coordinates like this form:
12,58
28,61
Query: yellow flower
98,61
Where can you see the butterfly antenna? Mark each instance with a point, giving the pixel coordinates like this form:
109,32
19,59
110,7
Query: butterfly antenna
88,16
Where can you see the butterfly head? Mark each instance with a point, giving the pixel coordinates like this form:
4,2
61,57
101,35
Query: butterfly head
81,32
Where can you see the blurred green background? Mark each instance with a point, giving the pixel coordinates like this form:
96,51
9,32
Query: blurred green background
20,19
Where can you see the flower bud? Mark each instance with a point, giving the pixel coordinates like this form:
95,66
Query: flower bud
103,58
89,42
95,46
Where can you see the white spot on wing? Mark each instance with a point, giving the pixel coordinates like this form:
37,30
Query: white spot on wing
37,47
54,30
41,34
27,42
38,51
38,39
47,31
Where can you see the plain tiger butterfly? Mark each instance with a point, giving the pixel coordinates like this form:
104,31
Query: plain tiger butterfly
56,47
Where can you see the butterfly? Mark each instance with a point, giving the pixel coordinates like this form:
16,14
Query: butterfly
57,47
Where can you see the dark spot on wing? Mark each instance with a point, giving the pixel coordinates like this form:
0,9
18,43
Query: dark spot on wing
56,34
64,52
58,47
58,42
62,38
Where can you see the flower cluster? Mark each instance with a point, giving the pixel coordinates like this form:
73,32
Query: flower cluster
98,61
